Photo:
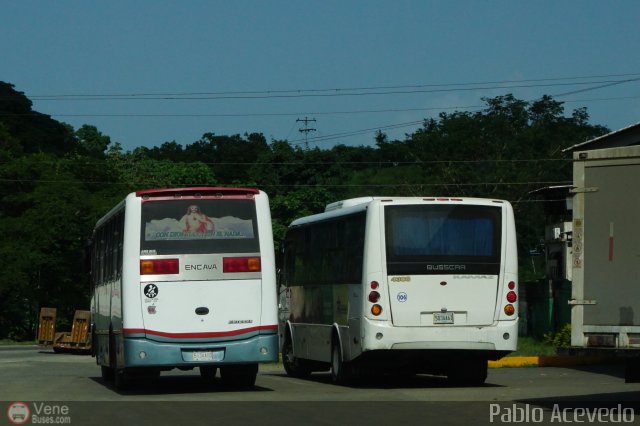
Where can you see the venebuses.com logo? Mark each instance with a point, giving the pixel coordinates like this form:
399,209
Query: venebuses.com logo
20,413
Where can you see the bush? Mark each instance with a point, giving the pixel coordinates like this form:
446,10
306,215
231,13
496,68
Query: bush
561,338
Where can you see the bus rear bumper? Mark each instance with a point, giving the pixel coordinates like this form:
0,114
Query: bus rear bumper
141,352
501,337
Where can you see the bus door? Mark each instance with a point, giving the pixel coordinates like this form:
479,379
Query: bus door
443,263
200,269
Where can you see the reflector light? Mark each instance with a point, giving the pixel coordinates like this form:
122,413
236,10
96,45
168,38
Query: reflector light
512,297
374,285
159,266
376,310
374,296
511,285
509,310
241,264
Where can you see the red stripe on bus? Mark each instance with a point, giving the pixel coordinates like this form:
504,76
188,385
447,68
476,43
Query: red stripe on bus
201,335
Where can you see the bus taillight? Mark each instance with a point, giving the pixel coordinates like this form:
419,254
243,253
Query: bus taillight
241,264
509,309
512,297
376,310
374,296
159,266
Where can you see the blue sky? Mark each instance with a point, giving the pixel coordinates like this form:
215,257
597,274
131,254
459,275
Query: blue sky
146,72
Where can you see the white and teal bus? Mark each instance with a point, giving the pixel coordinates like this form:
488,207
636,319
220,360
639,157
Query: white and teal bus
185,278
419,285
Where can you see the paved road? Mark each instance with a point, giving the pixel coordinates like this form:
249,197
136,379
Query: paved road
31,374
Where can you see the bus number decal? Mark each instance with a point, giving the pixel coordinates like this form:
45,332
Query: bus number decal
402,297
401,279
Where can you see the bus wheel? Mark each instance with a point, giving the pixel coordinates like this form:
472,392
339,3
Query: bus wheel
121,379
295,367
239,376
470,372
341,371
208,373
107,373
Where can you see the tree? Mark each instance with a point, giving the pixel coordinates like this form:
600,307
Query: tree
134,171
44,220
34,131
227,154
92,142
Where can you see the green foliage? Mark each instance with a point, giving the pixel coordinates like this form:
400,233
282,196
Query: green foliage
57,181
561,338
136,171
92,142
35,132
529,346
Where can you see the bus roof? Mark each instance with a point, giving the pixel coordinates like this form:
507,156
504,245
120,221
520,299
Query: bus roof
353,205
351,202
347,203
202,190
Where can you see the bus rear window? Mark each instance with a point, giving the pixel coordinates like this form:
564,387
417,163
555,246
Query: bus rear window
199,226
437,238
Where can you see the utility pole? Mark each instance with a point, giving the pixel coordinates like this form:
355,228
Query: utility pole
306,129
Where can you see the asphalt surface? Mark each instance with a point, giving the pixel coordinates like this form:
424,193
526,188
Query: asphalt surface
35,376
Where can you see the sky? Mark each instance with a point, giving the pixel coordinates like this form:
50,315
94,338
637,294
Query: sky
145,72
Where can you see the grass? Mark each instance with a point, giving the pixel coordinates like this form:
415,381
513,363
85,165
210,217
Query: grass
529,346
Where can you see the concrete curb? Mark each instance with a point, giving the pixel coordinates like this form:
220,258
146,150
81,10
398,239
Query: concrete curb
550,361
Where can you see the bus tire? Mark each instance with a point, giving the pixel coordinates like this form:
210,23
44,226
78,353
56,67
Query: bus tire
469,372
239,376
107,373
208,373
341,371
632,371
121,380
295,367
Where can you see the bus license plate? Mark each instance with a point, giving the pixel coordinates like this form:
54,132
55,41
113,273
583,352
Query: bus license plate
443,317
207,355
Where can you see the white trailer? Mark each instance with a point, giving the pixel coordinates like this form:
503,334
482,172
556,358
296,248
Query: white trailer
605,302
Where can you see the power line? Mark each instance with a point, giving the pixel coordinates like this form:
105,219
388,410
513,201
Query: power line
290,114
338,91
327,95
358,132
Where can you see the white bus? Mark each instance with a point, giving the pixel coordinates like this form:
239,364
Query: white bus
185,278
419,285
